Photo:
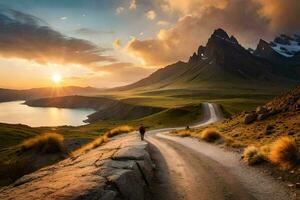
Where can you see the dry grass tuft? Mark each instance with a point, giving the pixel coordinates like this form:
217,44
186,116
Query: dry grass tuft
230,142
210,135
252,155
119,130
284,152
265,152
183,133
44,143
103,138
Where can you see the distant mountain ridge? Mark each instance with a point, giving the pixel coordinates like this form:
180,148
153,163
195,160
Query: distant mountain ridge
223,62
34,93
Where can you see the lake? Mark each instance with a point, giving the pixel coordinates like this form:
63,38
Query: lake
16,112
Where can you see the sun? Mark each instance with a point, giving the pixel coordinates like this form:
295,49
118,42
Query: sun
56,78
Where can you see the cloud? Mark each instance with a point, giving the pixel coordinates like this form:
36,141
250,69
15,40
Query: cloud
64,18
88,31
27,37
151,14
116,74
191,7
163,23
282,14
132,5
247,20
119,10
117,44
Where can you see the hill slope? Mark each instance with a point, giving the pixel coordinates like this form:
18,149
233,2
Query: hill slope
106,109
278,117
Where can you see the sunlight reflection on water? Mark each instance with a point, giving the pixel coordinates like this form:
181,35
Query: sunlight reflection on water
16,112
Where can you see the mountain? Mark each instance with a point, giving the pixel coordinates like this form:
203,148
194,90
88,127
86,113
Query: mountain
283,49
224,63
13,95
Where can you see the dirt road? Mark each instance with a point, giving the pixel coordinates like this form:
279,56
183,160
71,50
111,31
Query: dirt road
189,169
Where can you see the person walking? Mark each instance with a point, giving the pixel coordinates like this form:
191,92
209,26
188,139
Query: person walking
142,131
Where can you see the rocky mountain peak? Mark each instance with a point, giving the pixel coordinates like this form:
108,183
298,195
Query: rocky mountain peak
220,33
218,44
234,40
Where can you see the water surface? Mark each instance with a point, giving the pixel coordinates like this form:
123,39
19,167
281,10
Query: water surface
16,112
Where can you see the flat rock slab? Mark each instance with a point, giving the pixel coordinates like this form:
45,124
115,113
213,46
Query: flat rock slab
120,169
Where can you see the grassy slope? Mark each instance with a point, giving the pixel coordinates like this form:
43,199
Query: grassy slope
234,100
12,135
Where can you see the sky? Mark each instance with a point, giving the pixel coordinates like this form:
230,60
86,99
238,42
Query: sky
109,43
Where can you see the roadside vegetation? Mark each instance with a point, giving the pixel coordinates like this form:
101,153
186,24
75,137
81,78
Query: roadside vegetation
103,138
210,135
36,149
44,143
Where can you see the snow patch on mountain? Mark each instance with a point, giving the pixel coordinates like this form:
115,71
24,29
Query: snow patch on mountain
286,46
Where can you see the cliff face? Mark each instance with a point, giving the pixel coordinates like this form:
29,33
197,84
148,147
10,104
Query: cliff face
120,169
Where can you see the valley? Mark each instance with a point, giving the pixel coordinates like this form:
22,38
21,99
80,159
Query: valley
174,102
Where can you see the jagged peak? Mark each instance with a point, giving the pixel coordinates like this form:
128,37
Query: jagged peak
234,40
201,50
220,33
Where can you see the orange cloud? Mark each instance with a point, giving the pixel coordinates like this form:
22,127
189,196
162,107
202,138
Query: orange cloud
117,44
151,14
282,14
247,20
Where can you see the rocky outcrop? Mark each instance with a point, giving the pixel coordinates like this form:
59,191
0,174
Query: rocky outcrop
250,118
120,169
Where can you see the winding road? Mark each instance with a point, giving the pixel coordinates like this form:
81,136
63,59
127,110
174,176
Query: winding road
190,169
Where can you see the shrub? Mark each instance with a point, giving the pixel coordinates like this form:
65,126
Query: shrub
44,143
265,152
284,152
183,133
233,143
210,135
252,155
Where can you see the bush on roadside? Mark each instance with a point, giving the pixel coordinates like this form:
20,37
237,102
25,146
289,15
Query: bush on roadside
252,155
210,135
119,130
44,143
230,142
183,133
104,138
284,152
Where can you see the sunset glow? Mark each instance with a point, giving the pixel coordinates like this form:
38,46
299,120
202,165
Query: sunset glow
125,40
56,78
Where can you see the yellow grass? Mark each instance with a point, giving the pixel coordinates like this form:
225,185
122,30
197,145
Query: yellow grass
119,130
104,138
183,133
44,143
284,152
210,135
252,155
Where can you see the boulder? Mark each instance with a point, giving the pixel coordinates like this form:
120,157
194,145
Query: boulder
261,110
262,116
249,118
